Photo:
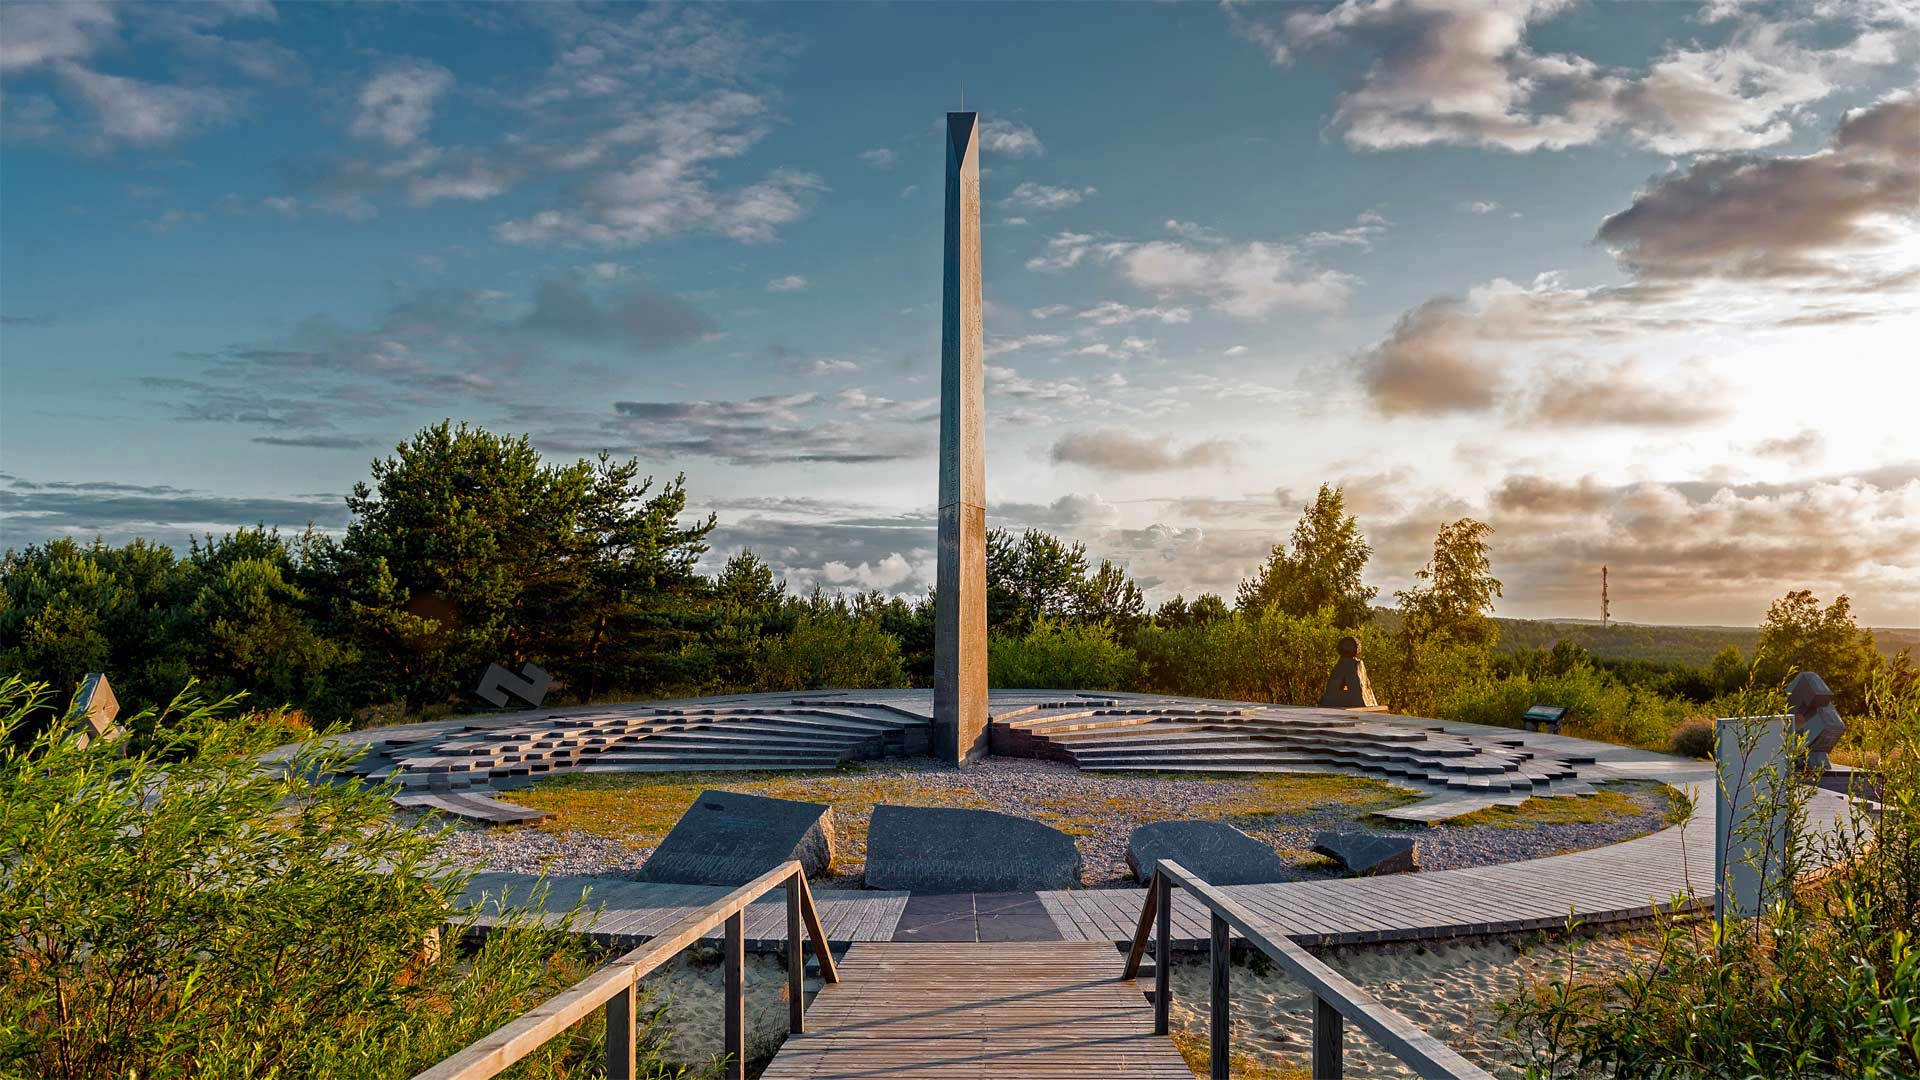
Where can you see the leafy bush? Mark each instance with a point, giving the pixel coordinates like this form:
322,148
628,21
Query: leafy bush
1058,655
831,646
181,912
1693,738
1824,983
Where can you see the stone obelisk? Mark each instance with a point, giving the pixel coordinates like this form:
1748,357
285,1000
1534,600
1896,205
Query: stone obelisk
960,592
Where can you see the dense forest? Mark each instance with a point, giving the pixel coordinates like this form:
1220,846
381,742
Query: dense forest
466,548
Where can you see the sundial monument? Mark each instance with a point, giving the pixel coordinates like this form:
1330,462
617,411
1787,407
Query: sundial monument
960,586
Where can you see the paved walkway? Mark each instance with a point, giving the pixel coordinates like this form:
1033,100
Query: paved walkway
1007,1010
1623,881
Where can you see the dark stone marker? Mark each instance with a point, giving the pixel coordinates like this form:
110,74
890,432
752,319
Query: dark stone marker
927,849
1347,687
727,838
1219,853
1366,853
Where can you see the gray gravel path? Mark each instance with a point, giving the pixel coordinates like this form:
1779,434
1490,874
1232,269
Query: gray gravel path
1104,807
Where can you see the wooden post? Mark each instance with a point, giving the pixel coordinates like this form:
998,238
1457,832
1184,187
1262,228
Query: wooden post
796,963
1222,948
1326,1041
735,1015
1162,951
817,934
620,1022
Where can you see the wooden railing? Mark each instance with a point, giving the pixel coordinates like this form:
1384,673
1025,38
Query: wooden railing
1334,998
616,986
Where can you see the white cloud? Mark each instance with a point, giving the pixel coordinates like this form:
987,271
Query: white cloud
1445,72
474,185
35,34
667,187
1234,350
1032,196
1009,137
1050,311
879,157
1361,234
396,105
1111,313
788,283
1246,281
144,112
997,346
1480,206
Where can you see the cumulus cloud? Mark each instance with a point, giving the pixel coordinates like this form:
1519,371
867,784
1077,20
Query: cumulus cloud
1701,551
997,346
1444,71
1802,447
1245,280
787,283
396,104
1031,196
1122,452
1624,395
1009,137
879,157
1430,364
1820,214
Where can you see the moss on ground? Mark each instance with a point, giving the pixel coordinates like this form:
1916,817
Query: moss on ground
1603,806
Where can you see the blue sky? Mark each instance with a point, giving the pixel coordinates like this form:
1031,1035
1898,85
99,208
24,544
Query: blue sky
1635,283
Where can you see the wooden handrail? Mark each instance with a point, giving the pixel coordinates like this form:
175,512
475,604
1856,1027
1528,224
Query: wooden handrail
1334,997
615,986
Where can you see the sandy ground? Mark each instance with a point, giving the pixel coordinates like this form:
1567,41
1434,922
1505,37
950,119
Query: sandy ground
689,989
1451,989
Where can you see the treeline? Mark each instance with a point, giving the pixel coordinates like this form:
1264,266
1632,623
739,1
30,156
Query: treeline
466,548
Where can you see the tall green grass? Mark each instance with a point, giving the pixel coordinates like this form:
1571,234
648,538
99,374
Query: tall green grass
181,912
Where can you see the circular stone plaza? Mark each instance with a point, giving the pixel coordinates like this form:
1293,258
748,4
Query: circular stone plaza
1022,847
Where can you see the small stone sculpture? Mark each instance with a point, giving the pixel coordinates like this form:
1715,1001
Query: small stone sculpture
1815,719
1347,687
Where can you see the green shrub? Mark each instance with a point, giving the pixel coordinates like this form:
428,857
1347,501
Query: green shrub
1694,738
1823,983
180,912
1057,655
831,646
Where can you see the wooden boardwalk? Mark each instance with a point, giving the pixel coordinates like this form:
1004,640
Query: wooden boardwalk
953,1010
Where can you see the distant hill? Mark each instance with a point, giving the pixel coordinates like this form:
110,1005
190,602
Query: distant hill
1665,644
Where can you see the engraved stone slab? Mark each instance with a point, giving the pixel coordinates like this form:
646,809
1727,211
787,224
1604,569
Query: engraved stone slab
929,849
729,838
1367,853
1219,853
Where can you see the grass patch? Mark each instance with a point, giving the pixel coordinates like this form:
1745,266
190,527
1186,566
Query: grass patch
1195,1047
1603,806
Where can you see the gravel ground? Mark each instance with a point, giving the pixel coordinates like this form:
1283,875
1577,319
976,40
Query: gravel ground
1101,810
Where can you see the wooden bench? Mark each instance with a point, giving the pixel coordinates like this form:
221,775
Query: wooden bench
1543,718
